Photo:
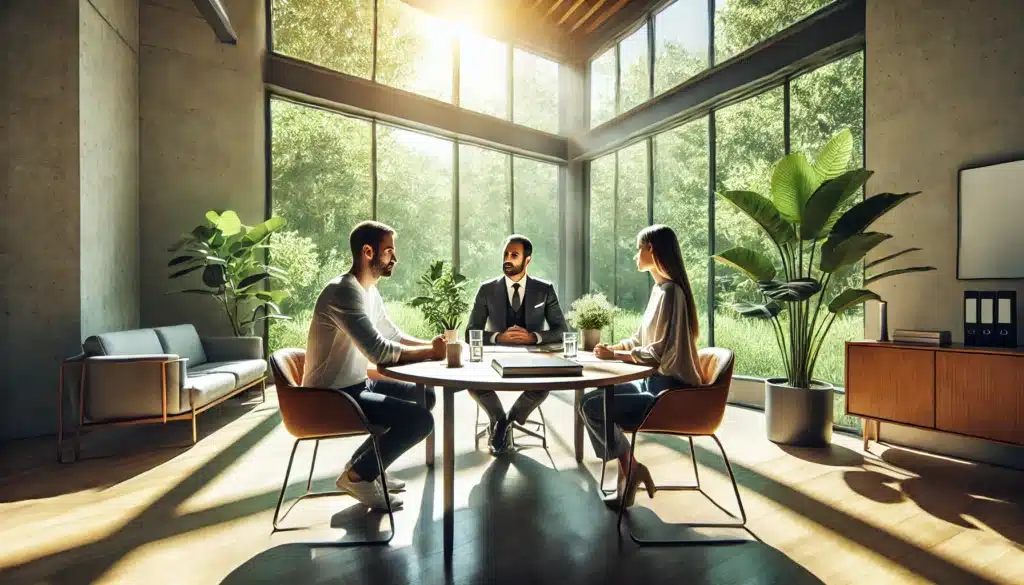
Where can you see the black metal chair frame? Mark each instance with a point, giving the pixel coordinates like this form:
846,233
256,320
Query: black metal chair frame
541,432
311,494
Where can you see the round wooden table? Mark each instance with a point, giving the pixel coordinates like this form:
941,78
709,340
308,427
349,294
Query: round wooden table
481,376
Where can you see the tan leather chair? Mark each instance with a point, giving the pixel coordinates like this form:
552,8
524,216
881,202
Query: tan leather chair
693,412
315,414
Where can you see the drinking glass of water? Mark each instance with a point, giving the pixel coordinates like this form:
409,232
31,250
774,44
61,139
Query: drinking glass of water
569,344
476,345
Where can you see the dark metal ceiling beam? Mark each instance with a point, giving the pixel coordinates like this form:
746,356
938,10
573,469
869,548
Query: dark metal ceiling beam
832,32
215,14
308,83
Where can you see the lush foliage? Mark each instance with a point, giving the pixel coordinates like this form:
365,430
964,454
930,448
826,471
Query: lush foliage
443,301
803,214
591,311
229,258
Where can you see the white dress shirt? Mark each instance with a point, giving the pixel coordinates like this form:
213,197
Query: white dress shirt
522,299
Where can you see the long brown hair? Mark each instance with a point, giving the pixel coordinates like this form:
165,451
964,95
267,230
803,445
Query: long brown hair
665,246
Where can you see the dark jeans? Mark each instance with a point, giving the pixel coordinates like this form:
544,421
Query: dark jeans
524,405
397,407
632,401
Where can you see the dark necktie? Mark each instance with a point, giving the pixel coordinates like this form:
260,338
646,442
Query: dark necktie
516,300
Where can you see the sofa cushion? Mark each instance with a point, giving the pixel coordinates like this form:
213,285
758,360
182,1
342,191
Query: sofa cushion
205,387
131,342
184,341
244,371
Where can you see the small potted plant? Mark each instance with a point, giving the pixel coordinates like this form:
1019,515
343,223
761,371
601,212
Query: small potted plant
590,314
443,302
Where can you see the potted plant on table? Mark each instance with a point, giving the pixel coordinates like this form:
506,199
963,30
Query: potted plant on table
590,314
443,302
231,258
815,241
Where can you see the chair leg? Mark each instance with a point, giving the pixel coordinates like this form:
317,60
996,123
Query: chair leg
738,522
308,494
312,464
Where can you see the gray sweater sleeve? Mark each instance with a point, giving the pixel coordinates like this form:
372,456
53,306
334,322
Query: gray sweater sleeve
348,311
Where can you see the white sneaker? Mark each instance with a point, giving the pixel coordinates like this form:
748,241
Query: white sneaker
394,484
370,493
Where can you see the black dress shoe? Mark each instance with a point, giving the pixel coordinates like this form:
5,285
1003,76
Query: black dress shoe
499,441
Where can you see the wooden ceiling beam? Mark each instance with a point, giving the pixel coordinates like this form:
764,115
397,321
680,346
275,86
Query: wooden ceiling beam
569,12
590,13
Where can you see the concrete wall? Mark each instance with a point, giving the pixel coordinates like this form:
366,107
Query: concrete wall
109,164
201,143
39,208
945,89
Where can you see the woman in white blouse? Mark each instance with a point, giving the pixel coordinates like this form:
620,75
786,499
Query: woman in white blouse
666,337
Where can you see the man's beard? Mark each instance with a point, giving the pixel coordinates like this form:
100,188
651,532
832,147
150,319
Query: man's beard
511,269
380,269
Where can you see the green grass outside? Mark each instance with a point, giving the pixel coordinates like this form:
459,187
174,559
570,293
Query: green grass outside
757,354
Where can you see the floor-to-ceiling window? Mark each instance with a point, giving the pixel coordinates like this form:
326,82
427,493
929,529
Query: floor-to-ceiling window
447,199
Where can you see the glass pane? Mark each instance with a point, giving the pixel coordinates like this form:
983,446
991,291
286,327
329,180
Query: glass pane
822,103
749,140
414,50
632,287
485,210
602,88
680,43
681,202
535,91
321,186
336,35
483,79
414,172
602,231
741,24
634,70
536,213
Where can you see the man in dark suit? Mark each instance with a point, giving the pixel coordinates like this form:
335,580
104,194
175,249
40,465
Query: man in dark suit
512,310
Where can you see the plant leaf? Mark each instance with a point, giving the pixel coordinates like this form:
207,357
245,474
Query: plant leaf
185,271
195,291
827,199
890,257
181,260
850,298
860,216
213,276
753,311
796,290
416,302
896,272
761,210
750,262
252,279
836,253
834,158
793,182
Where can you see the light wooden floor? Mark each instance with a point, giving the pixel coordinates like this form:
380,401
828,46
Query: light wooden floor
141,510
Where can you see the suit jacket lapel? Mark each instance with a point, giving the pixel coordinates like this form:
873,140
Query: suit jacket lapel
499,298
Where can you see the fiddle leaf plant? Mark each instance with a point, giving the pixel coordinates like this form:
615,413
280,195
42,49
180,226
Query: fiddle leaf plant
443,302
229,257
806,220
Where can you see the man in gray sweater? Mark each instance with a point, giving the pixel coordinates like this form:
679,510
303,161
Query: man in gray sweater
350,329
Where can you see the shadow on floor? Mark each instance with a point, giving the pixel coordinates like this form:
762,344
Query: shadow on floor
136,448
524,524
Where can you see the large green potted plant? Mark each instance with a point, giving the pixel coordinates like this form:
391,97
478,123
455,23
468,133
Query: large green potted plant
443,301
815,239
231,258
590,314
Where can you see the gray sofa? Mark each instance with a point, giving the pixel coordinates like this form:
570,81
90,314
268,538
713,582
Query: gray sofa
155,375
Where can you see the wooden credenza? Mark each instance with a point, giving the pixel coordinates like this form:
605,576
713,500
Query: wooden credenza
973,391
